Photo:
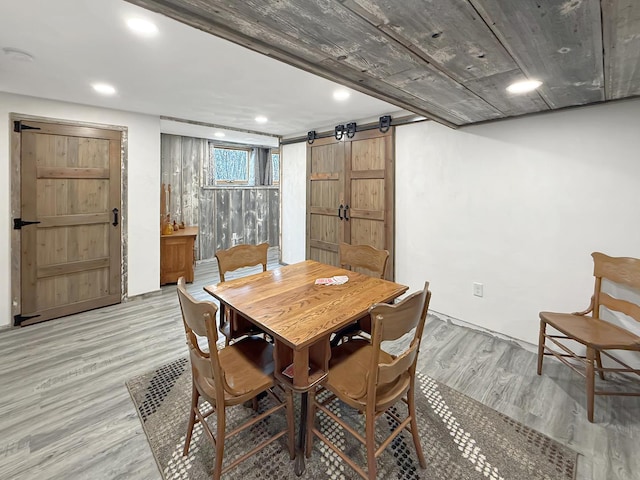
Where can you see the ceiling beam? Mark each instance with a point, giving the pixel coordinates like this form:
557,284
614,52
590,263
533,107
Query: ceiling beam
361,83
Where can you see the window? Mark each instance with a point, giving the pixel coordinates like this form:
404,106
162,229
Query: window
275,166
226,166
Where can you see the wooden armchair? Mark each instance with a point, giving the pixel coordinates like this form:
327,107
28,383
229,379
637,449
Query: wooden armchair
370,261
370,380
232,325
597,335
226,378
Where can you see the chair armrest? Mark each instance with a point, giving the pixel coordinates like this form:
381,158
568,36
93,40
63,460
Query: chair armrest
588,310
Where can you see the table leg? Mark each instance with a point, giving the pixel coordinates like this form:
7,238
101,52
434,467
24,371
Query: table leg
302,435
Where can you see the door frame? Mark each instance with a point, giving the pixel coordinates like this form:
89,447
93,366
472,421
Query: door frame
16,177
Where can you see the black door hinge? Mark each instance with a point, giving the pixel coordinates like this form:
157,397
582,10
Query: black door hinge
18,223
18,319
18,126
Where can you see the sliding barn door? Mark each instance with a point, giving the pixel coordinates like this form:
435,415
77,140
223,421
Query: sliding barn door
369,192
70,190
350,192
325,195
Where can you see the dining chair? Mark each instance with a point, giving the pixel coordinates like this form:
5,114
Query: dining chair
594,334
365,258
233,325
228,377
370,261
372,381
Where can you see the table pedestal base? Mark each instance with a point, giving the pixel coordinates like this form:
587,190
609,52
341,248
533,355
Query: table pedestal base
302,435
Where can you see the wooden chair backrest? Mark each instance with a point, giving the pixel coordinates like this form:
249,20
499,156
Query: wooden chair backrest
621,270
364,256
241,256
391,322
199,321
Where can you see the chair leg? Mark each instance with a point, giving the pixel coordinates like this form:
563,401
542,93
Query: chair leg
254,403
599,364
192,417
370,434
220,434
311,417
411,403
541,339
590,383
291,435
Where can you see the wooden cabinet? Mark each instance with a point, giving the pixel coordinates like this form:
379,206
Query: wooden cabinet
177,255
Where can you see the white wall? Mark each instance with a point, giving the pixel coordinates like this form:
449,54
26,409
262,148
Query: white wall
517,205
293,174
143,187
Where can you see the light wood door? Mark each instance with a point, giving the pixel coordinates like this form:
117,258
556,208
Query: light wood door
70,184
325,196
369,192
350,195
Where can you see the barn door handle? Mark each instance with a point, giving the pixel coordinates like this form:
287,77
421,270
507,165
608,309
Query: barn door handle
115,217
346,209
340,211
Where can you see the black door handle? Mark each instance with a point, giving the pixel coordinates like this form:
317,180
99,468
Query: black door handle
340,211
115,217
345,213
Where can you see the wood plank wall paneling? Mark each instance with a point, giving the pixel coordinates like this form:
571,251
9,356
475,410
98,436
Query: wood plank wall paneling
250,217
225,216
206,236
568,60
170,168
234,214
621,46
242,215
193,151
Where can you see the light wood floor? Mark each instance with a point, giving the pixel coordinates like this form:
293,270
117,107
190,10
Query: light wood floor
65,412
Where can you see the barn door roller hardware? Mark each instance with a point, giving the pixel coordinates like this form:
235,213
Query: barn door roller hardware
351,129
339,132
384,123
311,136
18,126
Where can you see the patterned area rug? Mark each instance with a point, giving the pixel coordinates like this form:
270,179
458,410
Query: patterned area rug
461,438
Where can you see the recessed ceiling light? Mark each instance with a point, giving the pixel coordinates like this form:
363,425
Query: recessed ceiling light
18,55
103,88
142,27
261,119
524,86
341,95
218,134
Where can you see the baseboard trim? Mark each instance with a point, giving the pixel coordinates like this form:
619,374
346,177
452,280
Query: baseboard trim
142,296
456,321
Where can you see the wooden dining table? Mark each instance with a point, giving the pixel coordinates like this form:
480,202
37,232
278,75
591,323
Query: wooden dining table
300,316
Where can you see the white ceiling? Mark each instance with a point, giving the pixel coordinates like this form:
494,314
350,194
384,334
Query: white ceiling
181,72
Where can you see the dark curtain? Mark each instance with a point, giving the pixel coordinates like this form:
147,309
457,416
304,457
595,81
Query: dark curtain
262,160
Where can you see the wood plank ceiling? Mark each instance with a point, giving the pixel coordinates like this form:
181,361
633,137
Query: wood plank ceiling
451,60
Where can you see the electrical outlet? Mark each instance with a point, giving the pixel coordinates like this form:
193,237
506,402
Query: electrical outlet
477,289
